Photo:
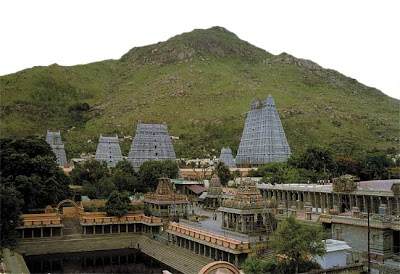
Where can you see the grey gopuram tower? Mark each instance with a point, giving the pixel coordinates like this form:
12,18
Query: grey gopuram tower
108,150
263,139
227,158
151,142
56,144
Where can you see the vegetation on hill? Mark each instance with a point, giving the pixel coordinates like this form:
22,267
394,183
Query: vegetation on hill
200,83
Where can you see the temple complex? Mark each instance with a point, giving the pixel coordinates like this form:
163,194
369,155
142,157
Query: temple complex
165,202
56,144
263,139
213,197
244,212
151,142
343,208
227,158
108,150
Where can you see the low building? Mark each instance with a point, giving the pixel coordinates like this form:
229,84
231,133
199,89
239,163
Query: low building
165,202
335,254
243,213
213,197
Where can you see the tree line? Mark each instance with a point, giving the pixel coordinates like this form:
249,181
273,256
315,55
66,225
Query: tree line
320,163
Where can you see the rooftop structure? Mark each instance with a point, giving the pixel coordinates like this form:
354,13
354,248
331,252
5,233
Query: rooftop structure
108,150
151,142
227,158
244,212
263,139
56,144
213,197
165,201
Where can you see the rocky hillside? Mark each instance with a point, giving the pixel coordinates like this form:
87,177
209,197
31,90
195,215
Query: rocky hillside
200,83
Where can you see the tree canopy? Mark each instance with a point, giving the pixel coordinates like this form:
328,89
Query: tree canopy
223,173
297,240
150,171
29,166
30,178
118,203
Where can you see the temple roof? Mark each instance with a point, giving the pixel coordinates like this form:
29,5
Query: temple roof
247,197
165,193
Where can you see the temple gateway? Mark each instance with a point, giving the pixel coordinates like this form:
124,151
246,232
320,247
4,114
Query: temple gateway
263,139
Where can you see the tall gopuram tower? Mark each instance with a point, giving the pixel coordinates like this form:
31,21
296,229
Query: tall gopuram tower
263,139
227,158
151,142
108,150
56,144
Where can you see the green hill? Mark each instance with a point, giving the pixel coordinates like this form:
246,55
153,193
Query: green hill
200,83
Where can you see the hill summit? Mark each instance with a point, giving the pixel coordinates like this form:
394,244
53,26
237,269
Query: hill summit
201,84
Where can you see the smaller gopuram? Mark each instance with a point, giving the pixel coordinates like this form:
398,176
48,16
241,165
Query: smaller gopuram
227,158
214,194
165,202
151,142
244,212
108,150
56,144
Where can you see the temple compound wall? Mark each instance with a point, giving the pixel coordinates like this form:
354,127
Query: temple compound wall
342,208
208,244
263,139
151,142
56,144
108,150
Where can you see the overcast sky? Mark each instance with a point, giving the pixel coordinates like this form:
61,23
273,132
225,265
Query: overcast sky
357,38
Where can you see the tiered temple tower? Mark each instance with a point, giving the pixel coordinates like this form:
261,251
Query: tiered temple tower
165,202
214,194
108,150
244,212
227,158
151,142
56,144
263,139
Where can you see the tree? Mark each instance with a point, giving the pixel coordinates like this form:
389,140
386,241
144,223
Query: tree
223,173
89,171
296,241
150,171
29,166
254,265
317,159
374,166
11,205
124,177
346,165
118,204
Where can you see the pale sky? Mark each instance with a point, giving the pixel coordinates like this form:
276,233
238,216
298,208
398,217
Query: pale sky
357,38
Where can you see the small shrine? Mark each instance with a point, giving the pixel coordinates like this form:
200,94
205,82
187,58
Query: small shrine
165,202
244,212
214,195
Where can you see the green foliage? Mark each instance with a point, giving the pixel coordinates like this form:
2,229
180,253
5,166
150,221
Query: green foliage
223,173
254,265
79,107
124,177
317,158
201,83
346,165
297,240
11,205
29,166
89,172
118,204
150,171
375,166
